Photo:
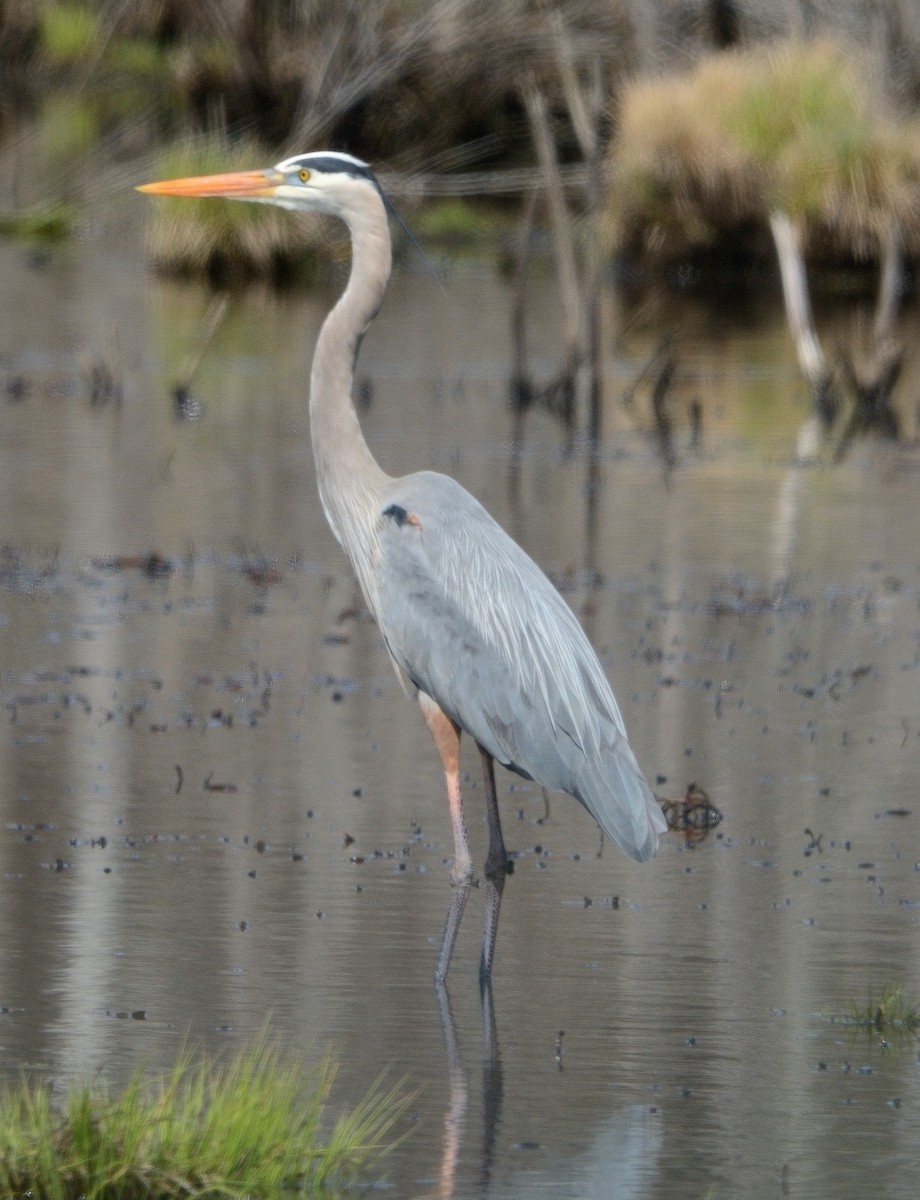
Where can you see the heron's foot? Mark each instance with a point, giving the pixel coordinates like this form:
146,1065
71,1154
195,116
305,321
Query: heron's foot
458,900
461,876
498,865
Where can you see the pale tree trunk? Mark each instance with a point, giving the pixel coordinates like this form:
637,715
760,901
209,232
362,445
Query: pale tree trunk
811,356
563,239
563,244
521,387
890,285
580,294
585,111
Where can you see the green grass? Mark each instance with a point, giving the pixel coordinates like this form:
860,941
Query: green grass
227,240
248,1128
74,36
796,91
893,1010
137,57
71,34
458,219
44,223
70,127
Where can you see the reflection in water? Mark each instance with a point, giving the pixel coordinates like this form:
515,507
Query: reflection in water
619,1164
458,1089
807,448
492,1086
459,1096
623,1159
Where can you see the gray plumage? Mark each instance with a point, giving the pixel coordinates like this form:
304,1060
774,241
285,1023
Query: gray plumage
467,616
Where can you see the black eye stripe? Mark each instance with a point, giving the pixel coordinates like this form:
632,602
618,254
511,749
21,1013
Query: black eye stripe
332,164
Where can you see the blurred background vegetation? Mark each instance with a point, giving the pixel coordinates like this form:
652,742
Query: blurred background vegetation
705,129
700,131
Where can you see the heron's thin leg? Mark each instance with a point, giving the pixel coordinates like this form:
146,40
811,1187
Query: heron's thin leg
446,734
458,901
496,869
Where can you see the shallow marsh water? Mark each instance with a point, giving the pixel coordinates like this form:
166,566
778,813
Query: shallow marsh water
218,805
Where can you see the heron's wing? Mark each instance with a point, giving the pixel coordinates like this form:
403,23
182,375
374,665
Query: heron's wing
476,625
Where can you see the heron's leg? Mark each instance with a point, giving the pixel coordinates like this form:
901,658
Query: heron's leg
496,869
446,734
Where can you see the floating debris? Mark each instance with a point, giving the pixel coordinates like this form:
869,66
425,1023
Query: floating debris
694,814
27,570
262,573
154,565
217,787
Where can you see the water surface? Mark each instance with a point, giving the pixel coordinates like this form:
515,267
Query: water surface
218,805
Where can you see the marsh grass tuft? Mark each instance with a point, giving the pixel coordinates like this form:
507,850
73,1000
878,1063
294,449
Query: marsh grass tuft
250,1127
893,1010
225,240
794,127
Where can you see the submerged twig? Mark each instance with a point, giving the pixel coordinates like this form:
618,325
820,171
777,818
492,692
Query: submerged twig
211,323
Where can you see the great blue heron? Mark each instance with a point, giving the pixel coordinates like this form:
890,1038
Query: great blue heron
472,623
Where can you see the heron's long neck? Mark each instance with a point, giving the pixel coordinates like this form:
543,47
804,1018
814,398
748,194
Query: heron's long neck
350,481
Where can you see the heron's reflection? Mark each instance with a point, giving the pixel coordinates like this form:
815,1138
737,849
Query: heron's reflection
622,1162
459,1093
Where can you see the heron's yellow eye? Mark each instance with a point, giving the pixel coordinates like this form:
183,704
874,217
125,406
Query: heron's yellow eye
303,174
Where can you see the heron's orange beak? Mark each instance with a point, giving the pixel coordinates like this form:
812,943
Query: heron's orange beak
240,185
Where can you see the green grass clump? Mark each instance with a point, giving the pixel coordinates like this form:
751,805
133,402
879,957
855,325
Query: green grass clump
136,56
70,127
458,219
228,240
44,223
249,1128
892,1011
70,34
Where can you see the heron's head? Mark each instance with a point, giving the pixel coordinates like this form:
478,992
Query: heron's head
324,181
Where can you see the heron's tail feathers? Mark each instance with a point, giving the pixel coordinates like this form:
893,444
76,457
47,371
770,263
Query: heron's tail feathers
613,790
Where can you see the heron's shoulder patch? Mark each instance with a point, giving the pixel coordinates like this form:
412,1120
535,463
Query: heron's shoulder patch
401,515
